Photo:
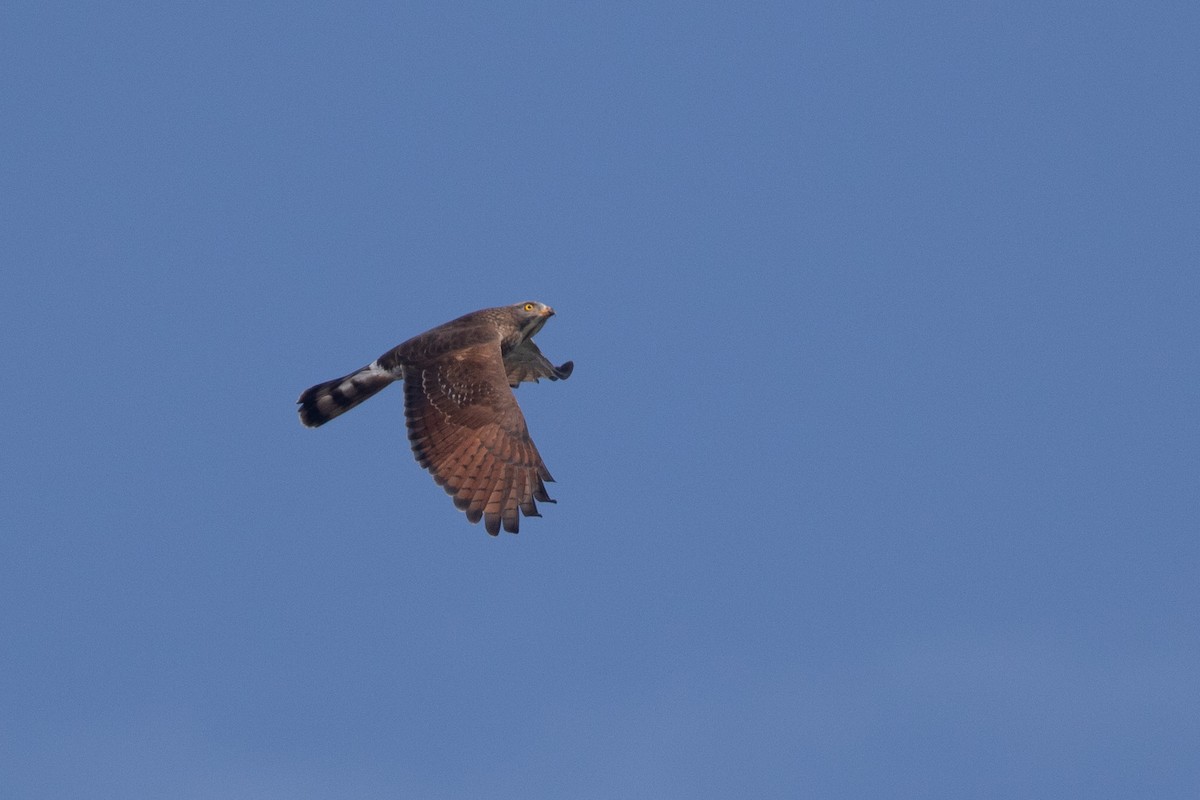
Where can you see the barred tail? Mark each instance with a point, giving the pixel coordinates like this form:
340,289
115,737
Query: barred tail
323,402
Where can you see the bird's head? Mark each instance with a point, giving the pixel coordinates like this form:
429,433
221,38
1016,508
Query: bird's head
531,316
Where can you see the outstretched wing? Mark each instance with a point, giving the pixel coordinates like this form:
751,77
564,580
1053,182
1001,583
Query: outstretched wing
465,427
525,362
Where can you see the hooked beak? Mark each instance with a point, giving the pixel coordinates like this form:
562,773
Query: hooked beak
547,312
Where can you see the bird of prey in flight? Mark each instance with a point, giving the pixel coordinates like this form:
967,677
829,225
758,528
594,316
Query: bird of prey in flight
463,420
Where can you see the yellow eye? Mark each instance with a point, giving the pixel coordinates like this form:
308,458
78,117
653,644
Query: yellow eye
529,306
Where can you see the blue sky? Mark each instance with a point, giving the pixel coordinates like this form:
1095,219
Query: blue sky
878,474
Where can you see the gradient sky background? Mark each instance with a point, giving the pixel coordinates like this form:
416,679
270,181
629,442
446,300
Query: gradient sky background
878,475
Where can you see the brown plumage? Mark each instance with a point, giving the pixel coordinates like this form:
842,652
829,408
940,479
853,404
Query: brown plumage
463,421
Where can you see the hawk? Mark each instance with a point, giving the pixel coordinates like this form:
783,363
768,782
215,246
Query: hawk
463,420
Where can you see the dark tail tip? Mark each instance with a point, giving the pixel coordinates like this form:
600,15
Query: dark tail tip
310,415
